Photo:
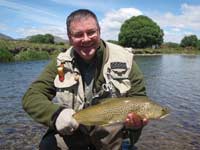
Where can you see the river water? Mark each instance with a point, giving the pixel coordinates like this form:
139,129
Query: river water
171,80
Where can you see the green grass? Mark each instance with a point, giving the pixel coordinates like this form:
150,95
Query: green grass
12,50
31,55
5,55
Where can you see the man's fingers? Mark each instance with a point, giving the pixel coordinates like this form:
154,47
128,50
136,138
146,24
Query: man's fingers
145,121
135,121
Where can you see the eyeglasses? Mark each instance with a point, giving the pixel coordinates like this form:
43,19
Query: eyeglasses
90,34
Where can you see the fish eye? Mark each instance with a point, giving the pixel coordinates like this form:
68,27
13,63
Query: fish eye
165,110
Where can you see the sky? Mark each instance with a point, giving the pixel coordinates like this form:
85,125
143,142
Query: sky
22,18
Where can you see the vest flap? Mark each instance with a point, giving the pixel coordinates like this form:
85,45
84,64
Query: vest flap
123,86
69,81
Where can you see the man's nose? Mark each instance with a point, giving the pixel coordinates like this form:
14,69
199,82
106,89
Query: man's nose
86,37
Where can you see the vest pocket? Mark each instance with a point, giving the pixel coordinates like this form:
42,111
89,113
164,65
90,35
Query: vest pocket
66,97
66,89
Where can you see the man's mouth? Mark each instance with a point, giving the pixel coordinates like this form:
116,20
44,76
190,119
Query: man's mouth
87,46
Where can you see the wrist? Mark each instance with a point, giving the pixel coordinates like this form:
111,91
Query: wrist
55,116
65,124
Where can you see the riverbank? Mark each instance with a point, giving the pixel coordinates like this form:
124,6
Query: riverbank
11,50
182,54
164,51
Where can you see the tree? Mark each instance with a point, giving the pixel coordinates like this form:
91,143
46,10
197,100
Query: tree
140,32
47,38
190,40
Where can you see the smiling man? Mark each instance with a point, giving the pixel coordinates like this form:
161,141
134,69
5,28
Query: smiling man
84,35
90,70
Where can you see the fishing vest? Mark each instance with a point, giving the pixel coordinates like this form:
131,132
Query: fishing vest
116,69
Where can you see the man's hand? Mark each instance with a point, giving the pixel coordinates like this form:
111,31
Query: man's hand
65,123
134,121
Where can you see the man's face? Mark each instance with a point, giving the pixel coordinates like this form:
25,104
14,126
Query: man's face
85,37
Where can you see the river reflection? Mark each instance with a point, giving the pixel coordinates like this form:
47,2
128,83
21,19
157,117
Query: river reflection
172,80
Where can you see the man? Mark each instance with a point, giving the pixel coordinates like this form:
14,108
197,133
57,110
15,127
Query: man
90,70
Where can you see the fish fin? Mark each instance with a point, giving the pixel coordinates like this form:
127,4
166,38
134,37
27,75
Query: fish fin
104,125
111,123
107,123
164,116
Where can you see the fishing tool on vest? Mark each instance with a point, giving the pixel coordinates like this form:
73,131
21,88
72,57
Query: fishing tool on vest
107,90
61,74
108,86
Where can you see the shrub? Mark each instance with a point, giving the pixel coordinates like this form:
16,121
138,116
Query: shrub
39,38
5,55
189,41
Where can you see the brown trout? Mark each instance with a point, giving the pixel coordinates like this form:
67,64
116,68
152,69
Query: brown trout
115,110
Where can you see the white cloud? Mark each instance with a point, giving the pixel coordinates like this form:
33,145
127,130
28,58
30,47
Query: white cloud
188,20
171,36
176,29
110,25
186,33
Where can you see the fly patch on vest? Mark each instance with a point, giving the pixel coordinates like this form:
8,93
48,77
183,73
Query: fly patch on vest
118,70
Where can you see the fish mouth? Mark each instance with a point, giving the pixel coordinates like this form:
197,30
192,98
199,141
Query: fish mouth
163,116
165,112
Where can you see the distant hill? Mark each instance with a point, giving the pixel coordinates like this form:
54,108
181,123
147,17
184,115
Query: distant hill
3,36
59,39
